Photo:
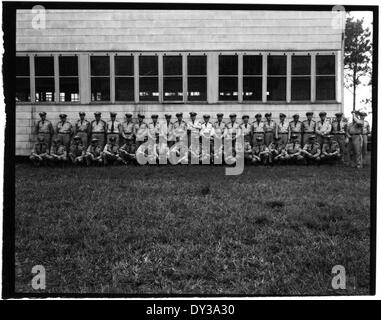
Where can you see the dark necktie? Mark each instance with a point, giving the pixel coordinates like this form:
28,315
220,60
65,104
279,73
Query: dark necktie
338,126
112,126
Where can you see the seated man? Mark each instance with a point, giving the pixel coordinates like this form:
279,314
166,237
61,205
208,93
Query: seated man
248,152
111,153
127,153
330,150
293,150
260,152
77,151
94,153
277,150
40,152
311,150
58,153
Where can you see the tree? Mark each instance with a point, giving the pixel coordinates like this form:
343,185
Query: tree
357,54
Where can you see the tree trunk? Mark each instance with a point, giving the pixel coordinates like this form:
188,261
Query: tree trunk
354,87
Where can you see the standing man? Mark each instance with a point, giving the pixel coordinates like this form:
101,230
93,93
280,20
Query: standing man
296,128
282,129
311,150
339,129
246,129
308,127
258,128
323,127
365,133
354,134
167,131
140,131
40,151
180,127
127,129
207,133
113,128
98,129
64,131
77,151
154,128
82,129
293,150
219,126
270,128
232,128
193,127
44,128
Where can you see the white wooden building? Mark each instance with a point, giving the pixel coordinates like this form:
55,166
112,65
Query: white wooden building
169,61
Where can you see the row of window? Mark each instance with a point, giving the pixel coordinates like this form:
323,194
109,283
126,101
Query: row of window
173,78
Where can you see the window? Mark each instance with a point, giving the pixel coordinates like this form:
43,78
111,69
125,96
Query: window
197,78
173,78
300,78
22,79
69,84
252,78
325,77
124,78
228,78
276,78
44,79
100,78
148,78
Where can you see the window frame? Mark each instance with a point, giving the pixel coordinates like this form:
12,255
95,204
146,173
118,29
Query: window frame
110,76
31,79
114,76
335,76
310,75
78,77
238,76
187,76
243,76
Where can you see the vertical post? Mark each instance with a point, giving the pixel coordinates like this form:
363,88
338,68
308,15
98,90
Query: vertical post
56,79
112,77
313,77
288,78
136,78
264,77
185,77
338,79
161,80
32,79
240,77
212,80
84,78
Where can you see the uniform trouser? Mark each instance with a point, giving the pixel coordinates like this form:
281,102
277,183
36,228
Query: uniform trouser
84,138
364,145
299,136
116,135
65,139
110,158
269,137
101,137
76,159
355,150
47,138
340,139
256,135
37,159
306,136
283,137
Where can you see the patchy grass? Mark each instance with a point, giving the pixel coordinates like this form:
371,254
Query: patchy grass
193,230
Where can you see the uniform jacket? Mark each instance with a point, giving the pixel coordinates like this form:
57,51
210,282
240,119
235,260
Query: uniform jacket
339,127
313,148
64,127
40,148
98,127
295,127
127,128
58,150
331,147
116,129
269,126
246,129
283,127
257,149
94,150
44,127
219,128
82,126
207,129
308,126
141,131
113,149
292,147
77,149
258,127
323,128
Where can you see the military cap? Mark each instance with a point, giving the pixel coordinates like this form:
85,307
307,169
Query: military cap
282,115
97,113
112,114
192,114
206,116
245,116
268,114
220,115
77,138
294,136
82,113
167,115
338,114
128,115
56,140
154,116
328,136
112,138
276,138
232,115
323,113
363,114
43,113
311,137
141,116
62,115
309,113
179,114
40,138
259,138
258,115
295,115
94,139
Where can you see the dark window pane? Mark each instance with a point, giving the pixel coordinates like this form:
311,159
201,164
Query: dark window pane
301,65
44,66
173,89
172,65
124,65
69,89
100,66
22,89
197,88
100,89
325,88
252,65
124,89
197,65
228,88
148,89
148,66
68,66
276,65
44,89
300,88
228,65
276,88
22,66
252,88
325,64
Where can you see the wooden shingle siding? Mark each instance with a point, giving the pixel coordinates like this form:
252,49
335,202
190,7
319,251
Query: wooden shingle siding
140,30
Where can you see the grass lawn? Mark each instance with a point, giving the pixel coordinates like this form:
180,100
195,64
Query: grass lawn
193,230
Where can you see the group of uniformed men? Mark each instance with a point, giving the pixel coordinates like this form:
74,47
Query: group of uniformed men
264,141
